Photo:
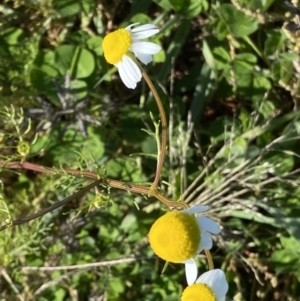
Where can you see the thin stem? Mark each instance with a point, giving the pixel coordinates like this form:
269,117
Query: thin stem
51,208
164,129
5,275
150,191
86,265
209,259
171,123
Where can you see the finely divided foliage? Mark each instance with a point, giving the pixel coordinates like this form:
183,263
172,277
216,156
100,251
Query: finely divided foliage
149,150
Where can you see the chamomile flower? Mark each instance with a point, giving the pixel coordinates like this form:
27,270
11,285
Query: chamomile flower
122,45
210,286
178,236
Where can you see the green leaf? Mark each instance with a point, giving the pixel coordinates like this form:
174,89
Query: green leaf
76,60
291,132
149,146
60,294
283,67
270,126
174,48
72,144
287,260
164,4
43,72
115,287
290,224
141,18
275,41
95,45
254,217
204,89
246,57
279,162
131,124
256,4
12,35
124,169
237,23
78,88
208,56
221,58
66,7
128,222
236,148
189,8
194,8
266,108
179,4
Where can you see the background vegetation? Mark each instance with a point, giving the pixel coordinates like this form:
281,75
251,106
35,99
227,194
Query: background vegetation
228,75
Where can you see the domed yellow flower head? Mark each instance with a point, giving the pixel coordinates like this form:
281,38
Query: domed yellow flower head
197,292
120,46
116,44
175,236
210,286
178,236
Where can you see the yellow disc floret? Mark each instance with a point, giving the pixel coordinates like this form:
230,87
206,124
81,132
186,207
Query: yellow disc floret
115,45
198,292
175,237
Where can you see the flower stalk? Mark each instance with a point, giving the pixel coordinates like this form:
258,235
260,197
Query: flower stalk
164,129
209,259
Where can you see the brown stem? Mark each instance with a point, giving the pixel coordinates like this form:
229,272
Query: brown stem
150,191
164,129
59,204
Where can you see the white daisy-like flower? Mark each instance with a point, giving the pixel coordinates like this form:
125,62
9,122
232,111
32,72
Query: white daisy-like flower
178,236
122,45
210,286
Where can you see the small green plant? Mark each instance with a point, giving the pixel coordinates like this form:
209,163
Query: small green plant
87,165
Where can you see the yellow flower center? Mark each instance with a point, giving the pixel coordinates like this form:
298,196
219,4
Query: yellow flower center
198,292
115,45
175,236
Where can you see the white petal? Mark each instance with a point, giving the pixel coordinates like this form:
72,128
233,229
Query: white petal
124,77
216,280
144,27
145,47
133,70
196,209
131,25
143,32
191,271
144,58
129,72
208,224
205,242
